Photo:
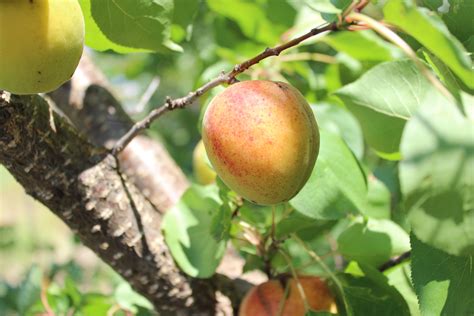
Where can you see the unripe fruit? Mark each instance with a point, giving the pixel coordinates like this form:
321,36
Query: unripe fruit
268,299
41,42
262,139
202,171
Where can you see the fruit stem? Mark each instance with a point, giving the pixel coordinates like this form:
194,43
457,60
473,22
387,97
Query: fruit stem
331,275
295,276
281,306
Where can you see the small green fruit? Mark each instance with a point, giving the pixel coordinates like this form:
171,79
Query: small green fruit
41,42
202,171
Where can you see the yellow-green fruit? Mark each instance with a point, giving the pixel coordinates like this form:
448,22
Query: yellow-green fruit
202,171
41,42
262,139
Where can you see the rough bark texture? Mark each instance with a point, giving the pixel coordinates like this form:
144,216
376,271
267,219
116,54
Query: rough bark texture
82,186
87,101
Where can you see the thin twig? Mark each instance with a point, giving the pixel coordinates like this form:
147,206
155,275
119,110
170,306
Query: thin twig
281,305
44,297
229,78
272,232
395,261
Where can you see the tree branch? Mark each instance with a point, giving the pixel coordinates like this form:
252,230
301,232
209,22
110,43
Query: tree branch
171,104
87,101
395,261
82,186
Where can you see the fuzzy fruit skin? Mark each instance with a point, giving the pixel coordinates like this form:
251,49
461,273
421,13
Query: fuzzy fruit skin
41,42
262,139
202,171
267,298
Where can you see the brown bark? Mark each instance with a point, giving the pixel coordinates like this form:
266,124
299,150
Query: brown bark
91,107
81,185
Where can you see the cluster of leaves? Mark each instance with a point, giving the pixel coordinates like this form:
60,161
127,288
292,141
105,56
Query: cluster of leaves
395,171
58,293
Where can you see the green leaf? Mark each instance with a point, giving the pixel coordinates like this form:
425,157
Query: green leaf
185,11
71,290
375,49
381,132
444,283
8,236
187,229
297,222
468,105
251,18
373,242
221,222
384,98
261,217
378,199
339,4
141,24
325,6
458,19
128,299
443,73
339,121
400,278
437,178
337,184
95,39
58,299
368,293
428,29
95,304
456,14
29,290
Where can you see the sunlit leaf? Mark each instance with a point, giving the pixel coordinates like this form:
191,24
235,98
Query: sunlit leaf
384,98
187,229
95,39
400,278
368,292
139,24
373,242
437,177
428,29
337,185
444,283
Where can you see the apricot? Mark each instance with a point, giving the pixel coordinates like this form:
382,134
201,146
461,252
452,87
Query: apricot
262,139
202,171
41,42
270,299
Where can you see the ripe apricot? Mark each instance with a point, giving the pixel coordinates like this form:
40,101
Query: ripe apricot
41,42
262,139
275,298
202,171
